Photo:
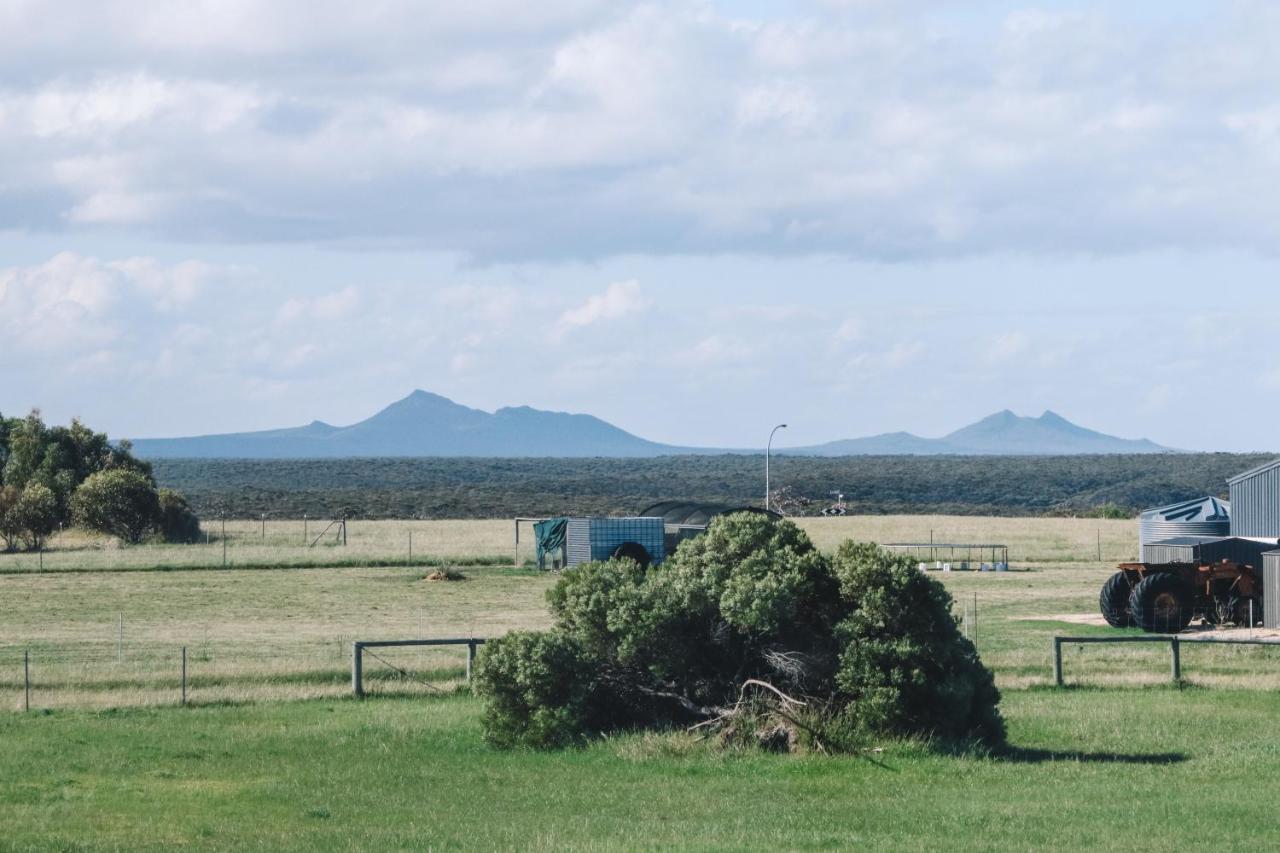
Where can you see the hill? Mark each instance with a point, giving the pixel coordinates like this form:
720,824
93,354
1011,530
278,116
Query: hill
424,425
1001,434
421,424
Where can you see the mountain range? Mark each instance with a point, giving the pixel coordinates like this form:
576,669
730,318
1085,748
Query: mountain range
425,424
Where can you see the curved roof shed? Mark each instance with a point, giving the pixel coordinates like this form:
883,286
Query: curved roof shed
694,514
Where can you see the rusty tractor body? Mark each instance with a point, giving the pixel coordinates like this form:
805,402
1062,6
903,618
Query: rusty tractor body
1166,598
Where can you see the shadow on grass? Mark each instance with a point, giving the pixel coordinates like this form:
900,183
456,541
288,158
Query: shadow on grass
1021,755
1009,754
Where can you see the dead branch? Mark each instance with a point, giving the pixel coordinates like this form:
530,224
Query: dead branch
687,703
786,700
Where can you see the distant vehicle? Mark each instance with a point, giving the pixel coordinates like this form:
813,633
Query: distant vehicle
1166,598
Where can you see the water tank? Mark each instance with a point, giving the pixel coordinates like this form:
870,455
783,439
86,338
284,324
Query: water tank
1201,517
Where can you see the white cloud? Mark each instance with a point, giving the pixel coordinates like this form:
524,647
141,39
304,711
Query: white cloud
620,299
1006,347
82,308
584,129
716,351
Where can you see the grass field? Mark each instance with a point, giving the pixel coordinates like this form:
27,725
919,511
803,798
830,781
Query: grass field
287,543
273,755
1118,769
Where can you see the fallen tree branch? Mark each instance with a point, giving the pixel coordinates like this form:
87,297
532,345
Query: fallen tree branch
687,703
786,700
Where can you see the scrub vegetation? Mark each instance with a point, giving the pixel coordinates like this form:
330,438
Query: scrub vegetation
750,634
501,488
52,477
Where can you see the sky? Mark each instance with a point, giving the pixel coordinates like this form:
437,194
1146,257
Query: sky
693,219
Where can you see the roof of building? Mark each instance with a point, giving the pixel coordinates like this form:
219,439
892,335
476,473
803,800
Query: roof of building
1253,472
693,513
1200,509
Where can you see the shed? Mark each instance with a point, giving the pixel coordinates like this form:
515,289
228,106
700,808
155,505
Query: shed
695,514
565,542
1204,550
1255,502
1271,589
687,519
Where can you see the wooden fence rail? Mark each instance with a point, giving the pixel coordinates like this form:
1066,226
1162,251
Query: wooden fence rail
358,648
1175,648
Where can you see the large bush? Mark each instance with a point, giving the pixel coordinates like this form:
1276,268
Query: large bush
36,514
750,631
10,528
27,516
42,468
175,522
119,502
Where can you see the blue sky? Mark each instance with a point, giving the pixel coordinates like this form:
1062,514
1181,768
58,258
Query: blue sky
692,219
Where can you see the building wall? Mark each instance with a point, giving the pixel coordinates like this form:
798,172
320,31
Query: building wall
1255,505
1271,590
590,539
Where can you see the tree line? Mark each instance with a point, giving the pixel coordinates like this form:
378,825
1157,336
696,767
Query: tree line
58,476
1111,486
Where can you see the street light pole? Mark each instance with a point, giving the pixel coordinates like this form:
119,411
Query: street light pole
768,454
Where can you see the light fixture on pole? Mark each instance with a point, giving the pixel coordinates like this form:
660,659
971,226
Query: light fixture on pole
768,454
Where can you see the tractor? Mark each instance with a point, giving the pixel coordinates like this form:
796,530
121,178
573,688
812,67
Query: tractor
1165,598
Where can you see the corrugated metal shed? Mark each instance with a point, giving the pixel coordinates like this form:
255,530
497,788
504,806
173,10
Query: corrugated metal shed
1271,589
1255,501
1209,517
588,539
1204,550
692,513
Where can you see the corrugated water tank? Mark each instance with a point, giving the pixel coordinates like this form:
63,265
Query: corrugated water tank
1206,517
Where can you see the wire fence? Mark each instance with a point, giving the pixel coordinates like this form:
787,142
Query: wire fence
88,675
284,543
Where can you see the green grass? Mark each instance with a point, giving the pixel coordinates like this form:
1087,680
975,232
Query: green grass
286,543
272,756
1116,769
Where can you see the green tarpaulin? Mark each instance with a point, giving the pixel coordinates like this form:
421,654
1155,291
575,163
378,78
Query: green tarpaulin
550,535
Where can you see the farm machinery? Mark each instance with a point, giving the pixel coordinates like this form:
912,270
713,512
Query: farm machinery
1167,597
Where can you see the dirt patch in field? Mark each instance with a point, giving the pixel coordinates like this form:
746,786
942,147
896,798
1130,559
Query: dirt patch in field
1069,618
1194,631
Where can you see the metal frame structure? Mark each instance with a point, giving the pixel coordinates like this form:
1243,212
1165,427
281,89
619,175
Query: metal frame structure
358,647
916,549
1175,648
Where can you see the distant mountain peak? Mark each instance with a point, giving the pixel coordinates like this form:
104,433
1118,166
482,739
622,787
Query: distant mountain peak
427,424
1004,433
422,424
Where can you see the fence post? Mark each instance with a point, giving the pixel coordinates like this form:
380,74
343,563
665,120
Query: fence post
411,547
184,675
1057,662
357,667
471,658
119,637
26,680
1175,648
975,619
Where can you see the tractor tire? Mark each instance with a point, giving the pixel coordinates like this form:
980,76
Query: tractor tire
1162,604
1114,601
635,552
